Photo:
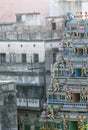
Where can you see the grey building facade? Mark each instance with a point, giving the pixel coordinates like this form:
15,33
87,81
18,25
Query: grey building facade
24,54
8,106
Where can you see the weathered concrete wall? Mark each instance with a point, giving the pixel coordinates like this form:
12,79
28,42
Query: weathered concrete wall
51,47
16,49
8,107
20,31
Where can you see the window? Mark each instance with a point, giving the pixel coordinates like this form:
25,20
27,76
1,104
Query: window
80,51
23,58
36,58
54,57
2,57
75,34
30,90
18,18
12,58
53,26
81,35
37,92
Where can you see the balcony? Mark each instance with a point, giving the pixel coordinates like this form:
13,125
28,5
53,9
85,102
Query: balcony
33,104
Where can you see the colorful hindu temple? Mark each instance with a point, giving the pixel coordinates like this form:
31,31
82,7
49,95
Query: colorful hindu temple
67,96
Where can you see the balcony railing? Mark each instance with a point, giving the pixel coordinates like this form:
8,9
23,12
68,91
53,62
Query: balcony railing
75,107
28,103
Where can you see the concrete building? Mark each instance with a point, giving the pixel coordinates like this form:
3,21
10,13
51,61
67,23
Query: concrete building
51,48
31,19
8,105
24,64
62,7
25,29
24,54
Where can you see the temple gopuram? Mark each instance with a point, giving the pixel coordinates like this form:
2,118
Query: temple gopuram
67,97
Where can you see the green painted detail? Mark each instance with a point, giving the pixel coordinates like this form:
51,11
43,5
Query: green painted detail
73,125
37,126
26,125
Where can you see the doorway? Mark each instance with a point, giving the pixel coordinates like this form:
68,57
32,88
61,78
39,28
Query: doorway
26,125
78,72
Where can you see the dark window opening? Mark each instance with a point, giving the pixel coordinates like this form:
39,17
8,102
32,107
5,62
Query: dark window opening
80,51
2,57
81,35
23,58
18,18
37,93
24,92
75,34
31,90
36,58
54,57
53,26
